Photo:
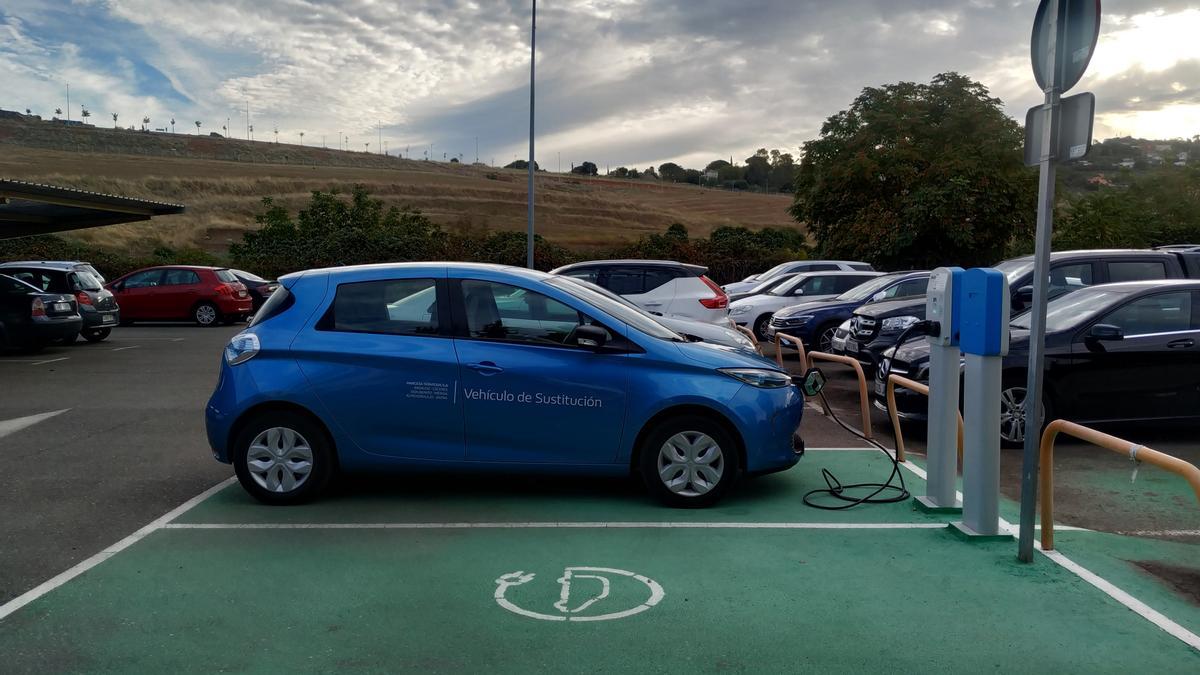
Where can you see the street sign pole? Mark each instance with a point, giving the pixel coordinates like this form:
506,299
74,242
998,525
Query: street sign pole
532,60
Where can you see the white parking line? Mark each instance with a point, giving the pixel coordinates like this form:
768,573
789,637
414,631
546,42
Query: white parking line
1107,587
58,580
569,525
147,339
14,425
121,349
61,358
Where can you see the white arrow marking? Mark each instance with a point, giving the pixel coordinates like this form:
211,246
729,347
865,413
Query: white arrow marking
12,426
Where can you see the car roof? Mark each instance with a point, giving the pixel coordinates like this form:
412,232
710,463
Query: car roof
841,273
431,267
45,264
697,269
1093,253
1148,284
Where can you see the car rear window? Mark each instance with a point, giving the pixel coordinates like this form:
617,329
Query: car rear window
226,276
87,281
275,305
1136,270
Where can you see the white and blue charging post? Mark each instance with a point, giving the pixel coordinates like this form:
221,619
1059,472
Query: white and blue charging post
984,316
942,308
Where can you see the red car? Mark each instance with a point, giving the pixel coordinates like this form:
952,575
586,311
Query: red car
206,295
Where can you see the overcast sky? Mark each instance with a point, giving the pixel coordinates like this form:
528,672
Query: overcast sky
619,81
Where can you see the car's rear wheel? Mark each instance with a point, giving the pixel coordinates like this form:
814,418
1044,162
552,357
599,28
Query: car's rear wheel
1012,412
760,326
96,334
206,314
688,461
282,457
70,339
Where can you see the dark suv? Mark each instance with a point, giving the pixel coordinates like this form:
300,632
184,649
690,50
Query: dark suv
876,327
97,306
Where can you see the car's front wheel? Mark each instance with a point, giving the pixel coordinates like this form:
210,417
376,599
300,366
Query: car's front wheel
760,327
282,458
688,461
825,338
96,334
1012,412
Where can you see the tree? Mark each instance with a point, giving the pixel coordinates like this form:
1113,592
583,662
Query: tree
114,120
522,164
1162,207
916,176
28,111
301,138
277,135
585,169
691,176
717,165
650,173
197,123
619,172
758,169
58,111
84,112
145,123
672,172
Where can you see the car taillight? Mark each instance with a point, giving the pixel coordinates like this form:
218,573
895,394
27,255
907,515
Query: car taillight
83,298
719,300
39,307
224,289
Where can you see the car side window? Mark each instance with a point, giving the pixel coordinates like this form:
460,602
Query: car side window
911,288
145,279
846,283
1068,277
498,311
388,306
1162,313
180,277
1136,270
657,277
624,280
587,274
10,287
816,286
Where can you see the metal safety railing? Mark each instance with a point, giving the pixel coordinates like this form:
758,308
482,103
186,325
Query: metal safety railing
1139,453
914,386
806,362
750,334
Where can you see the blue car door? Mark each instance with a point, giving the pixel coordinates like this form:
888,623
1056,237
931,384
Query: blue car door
528,395
382,361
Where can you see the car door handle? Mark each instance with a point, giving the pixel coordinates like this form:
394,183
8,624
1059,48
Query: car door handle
485,368
1186,343
652,304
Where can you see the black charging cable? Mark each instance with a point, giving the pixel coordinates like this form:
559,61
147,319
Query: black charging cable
879,493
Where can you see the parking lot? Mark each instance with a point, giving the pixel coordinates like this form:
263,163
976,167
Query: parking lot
103,452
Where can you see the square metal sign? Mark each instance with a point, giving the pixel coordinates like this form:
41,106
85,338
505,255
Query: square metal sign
1076,115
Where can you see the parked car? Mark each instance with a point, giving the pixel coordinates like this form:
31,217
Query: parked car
259,288
695,331
1115,352
659,286
763,287
756,310
206,295
815,322
877,326
31,318
71,264
796,267
97,306
491,369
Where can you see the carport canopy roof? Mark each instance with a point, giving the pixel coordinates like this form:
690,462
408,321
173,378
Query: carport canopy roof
31,208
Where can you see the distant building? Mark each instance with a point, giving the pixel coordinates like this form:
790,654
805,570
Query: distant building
1127,163
1099,179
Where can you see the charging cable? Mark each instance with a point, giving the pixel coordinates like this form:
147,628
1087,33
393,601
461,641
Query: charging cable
878,493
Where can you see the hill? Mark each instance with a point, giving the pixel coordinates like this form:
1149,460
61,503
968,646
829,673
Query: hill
222,182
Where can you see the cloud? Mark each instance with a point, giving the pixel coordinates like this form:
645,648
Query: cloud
619,81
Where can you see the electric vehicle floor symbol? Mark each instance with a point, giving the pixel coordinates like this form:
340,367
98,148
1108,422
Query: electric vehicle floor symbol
598,580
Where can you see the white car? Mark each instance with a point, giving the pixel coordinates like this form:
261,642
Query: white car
796,266
662,287
756,310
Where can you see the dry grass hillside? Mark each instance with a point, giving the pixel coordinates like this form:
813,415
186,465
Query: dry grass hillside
222,182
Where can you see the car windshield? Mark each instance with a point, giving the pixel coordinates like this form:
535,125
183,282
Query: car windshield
1015,269
770,283
1073,309
248,276
867,288
787,286
635,317
772,272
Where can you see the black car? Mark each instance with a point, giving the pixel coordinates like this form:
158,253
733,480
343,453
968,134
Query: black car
876,327
816,322
1117,352
97,306
31,318
259,288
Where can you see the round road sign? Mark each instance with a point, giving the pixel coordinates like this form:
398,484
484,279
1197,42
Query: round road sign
1075,40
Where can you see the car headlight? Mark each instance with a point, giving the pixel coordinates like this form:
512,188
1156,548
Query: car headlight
241,348
800,320
759,377
899,322
739,309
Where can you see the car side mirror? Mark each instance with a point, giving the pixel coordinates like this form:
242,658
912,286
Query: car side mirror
879,296
813,382
1106,333
590,337
1025,294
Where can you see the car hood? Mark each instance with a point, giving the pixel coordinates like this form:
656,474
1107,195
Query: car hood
915,352
886,308
720,356
708,332
815,306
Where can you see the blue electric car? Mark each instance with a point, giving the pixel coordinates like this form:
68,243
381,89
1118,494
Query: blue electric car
481,367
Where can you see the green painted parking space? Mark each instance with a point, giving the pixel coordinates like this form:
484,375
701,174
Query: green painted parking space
771,498
446,574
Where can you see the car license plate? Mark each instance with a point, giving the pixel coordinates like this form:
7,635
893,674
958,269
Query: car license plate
880,387
838,344
108,318
851,347
62,306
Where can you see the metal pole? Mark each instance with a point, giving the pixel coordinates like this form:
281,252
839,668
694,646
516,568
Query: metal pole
68,102
532,61
1041,276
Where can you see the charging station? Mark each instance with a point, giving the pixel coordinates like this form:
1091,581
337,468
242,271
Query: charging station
984,313
942,311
